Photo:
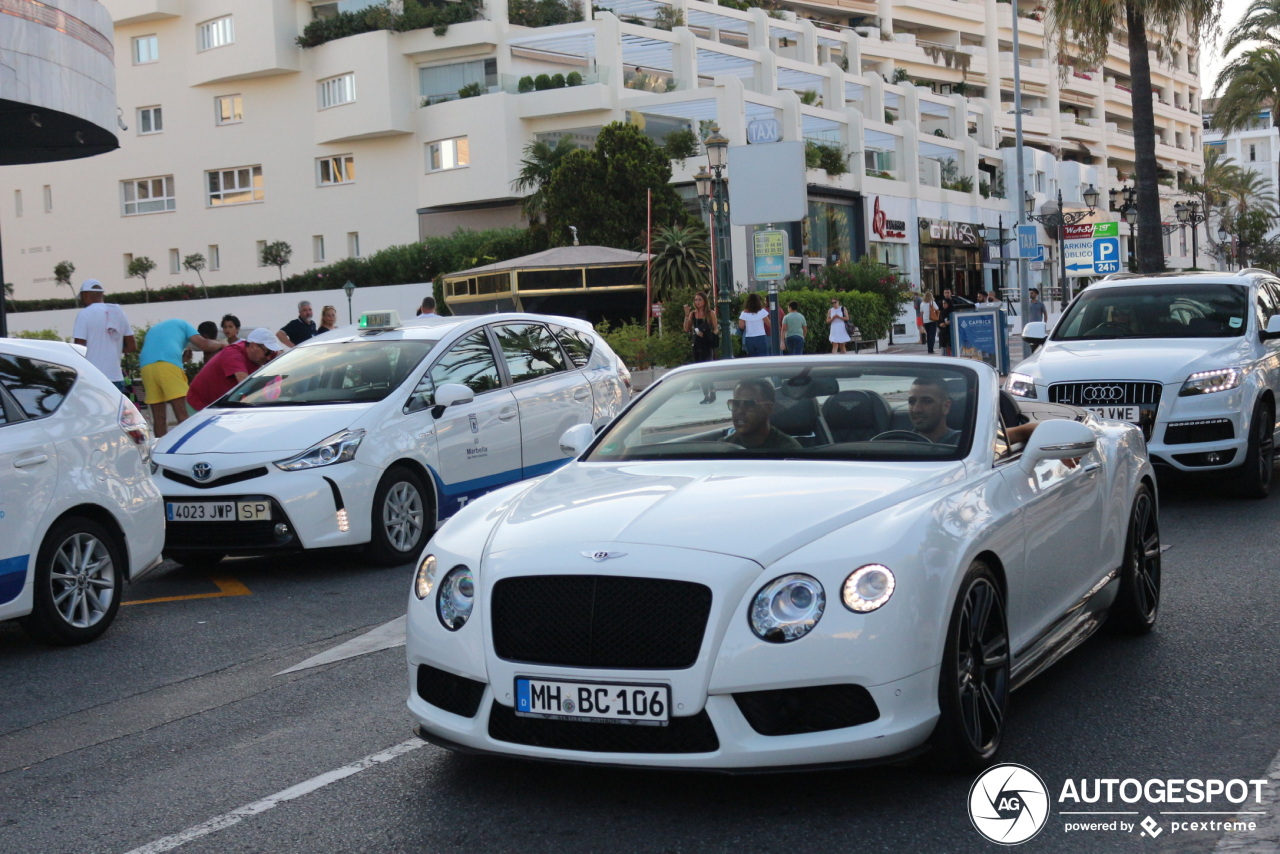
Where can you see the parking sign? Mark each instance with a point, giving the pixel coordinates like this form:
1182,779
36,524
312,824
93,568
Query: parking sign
1106,255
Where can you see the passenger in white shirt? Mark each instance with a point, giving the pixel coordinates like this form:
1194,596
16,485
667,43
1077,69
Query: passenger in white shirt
104,330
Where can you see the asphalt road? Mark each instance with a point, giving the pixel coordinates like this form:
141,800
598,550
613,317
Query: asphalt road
177,730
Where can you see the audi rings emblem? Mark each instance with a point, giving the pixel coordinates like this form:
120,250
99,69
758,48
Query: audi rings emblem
202,471
1101,393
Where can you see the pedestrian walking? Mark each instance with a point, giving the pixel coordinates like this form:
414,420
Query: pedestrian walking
918,303
328,320
700,324
163,377
794,329
104,331
231,328
931,310
754,323
837,332
428,307
1035,308
229,367
300,328
946,306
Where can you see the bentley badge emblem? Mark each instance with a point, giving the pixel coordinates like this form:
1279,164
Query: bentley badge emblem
599,556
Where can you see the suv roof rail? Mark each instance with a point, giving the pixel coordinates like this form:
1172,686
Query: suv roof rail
1257,270
1111,277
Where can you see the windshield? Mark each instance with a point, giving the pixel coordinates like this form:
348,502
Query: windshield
362,371
889,411
1156,311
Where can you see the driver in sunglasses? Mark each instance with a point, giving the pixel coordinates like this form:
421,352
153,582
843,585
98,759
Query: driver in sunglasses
751,407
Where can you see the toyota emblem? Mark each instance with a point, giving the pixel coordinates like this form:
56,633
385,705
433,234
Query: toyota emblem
202,471
1102,393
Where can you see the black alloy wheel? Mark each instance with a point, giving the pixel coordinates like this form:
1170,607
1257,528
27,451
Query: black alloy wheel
1138,602
1254,479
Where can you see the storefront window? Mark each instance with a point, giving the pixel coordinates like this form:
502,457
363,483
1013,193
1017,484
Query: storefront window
831,230
890,254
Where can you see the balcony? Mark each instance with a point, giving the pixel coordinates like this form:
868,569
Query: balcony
264,46
141,11
384,98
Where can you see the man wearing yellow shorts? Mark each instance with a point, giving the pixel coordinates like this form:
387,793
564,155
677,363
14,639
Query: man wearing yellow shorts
163,378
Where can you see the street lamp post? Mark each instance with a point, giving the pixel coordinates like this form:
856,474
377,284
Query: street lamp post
1191,215
1223,237
349,288
997,237
1058,221
1130,214
713,192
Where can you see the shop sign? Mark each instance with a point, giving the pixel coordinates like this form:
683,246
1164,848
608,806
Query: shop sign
947,233
889,219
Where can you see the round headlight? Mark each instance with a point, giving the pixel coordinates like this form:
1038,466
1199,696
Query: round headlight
787,608
868,587
457,595
425,578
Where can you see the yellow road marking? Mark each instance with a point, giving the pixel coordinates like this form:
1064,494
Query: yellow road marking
227,586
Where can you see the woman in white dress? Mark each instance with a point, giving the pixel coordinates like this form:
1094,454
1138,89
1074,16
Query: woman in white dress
838,335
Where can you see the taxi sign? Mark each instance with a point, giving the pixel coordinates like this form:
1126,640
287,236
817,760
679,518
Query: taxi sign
385,319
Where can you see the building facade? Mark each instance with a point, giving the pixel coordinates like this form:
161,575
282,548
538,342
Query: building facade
239,137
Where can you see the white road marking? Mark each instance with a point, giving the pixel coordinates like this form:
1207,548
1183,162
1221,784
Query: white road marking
1266,839
234,817
386,636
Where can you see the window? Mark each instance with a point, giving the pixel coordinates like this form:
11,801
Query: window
228,110
340,169
353,244
448,154
146,49
530,351
261,247
17,203
438,83
337,90
470,362
1253,152
128,259
239,186
48,199
175,261
150,120
577,344
317,248
39,387
148,195
216,33
214,257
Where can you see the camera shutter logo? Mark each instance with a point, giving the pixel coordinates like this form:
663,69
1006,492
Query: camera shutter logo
1009,804
202,471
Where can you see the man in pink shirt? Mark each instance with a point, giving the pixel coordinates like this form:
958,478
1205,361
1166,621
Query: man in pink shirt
230,365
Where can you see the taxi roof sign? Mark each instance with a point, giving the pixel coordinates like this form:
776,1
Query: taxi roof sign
385,319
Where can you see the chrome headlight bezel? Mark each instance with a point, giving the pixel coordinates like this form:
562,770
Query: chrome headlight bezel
868,588
787,608
338,448
1211,382
424,580
1021,385
456,597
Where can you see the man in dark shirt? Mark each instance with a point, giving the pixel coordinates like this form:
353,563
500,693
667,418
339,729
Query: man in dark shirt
300,328
928,404
752,407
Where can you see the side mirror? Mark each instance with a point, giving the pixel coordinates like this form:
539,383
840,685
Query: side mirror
577,439
1035,332
1057,440
449,394
1272,329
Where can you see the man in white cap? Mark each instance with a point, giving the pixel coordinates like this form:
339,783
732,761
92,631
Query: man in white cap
104,331
230,365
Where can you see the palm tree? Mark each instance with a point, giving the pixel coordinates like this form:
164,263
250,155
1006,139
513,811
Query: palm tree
540,160
1084,28
681,257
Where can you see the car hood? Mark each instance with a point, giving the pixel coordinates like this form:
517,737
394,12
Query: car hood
1166,360
230,431
760,510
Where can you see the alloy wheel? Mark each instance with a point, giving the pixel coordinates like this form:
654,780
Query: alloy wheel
983,664
1145,542
82,580
402,516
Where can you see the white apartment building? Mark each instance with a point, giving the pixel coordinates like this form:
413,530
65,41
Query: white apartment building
1255,147
237,136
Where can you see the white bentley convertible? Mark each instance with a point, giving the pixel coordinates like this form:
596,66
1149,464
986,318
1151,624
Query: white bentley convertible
839,560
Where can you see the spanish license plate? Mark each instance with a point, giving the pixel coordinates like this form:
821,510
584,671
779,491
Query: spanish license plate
217,511
602,702
1116,413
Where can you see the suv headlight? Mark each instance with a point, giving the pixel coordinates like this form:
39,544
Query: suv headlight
338,448
787,608
1207,382
1020,385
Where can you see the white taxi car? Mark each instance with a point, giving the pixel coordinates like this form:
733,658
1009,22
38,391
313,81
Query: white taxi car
1193,359
79,514
374,434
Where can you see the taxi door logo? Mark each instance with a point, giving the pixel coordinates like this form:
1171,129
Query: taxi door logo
475,424
1009,804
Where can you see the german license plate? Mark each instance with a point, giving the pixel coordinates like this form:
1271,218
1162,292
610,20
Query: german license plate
217,511
602,702
1116,413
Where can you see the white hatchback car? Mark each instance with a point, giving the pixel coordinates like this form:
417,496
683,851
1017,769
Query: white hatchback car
373,435
79,513
1194,359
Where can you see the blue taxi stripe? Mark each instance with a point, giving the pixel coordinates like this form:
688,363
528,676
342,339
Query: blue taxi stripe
452,495
13,575
178,444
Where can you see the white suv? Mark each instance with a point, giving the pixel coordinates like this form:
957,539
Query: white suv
1193,359
79,514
